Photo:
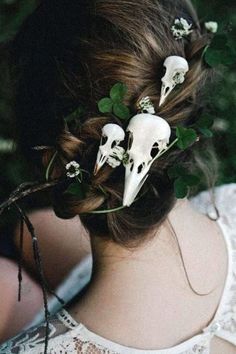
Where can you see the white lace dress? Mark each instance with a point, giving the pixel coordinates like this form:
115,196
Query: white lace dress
68,336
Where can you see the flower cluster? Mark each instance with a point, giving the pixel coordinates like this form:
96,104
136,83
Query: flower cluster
146,106
115,159
181,28
179,78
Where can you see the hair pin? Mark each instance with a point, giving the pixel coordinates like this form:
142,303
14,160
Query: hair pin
176,69
109,150
149,136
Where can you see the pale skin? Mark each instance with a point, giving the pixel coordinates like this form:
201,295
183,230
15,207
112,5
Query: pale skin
144,291
63,243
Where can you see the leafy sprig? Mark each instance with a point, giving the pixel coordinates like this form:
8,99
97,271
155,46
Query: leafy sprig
114,104
186,137
183,180
221,50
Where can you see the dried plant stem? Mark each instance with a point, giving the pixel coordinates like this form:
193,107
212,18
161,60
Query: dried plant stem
20,258
22,192
38,261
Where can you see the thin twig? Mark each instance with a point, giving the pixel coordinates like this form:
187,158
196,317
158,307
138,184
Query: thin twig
20,259
38,262
20,193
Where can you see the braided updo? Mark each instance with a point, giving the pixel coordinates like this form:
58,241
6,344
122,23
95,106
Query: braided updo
69,54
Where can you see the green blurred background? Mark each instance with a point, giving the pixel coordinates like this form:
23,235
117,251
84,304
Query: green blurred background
14,168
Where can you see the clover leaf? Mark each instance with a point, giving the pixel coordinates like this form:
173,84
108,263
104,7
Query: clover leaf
121,111
118,92
76,190
183,180
181,189
114,104
221,51
176,171
105,105
186,137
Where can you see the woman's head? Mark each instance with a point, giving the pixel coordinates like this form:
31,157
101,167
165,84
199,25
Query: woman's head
69,55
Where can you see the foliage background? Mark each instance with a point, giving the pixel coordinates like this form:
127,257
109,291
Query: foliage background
14,168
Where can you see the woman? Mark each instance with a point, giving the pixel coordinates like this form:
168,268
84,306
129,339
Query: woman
163,274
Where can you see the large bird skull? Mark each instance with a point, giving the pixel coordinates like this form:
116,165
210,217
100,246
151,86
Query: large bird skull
112,135
148,136
176,69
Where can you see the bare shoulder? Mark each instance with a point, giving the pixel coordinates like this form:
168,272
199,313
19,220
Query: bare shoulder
220,346
57,238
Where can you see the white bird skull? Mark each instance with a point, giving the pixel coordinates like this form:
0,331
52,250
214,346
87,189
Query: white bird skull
112,135
148,136
176,69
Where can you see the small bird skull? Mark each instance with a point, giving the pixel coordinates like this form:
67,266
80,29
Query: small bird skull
112,135
176,69
148,136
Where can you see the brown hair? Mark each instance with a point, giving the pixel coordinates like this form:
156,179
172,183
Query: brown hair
76,52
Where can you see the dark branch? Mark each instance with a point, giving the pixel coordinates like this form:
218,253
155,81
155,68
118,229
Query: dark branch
37,258
21,192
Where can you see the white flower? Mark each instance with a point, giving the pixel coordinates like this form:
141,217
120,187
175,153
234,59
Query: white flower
113,162
115,159
179,78
211,26
181,28
73,169
146,105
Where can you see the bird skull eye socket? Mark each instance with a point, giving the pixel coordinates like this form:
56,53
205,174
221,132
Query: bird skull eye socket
130,141
114,143
154,150
104,140
140,168
164,70
131,165
167,89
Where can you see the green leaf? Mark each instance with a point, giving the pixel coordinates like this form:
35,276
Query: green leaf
191,180
105,105
186,137
76,189
214,57
229,56
176,171
221,51
74,115
181,188
181,173
206,132
205,121
118,92
121,111
219,42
